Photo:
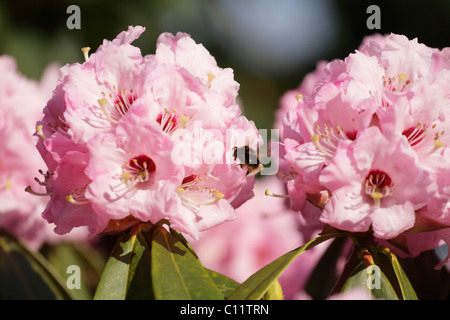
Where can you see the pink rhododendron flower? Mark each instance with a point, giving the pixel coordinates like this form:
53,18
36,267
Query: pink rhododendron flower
368,191
137,175
368,143
133,134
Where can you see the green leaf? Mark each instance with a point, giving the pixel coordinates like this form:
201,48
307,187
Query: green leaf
176,273
65,254
225,285
372,279
183,240
127,271
379,274
26,274
407,291
275,292
259,283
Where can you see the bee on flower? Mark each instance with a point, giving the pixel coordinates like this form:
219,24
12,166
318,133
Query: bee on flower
111,132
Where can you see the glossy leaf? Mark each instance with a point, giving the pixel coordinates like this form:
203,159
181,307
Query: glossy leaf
275,292
372,279
259,283
27,275
407,291
176,273
183,240
225,285
127,271
91,263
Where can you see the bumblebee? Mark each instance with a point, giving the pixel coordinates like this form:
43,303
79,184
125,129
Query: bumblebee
249,159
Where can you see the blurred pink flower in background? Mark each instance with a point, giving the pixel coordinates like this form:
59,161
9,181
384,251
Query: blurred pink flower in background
368,143
265,230
126,138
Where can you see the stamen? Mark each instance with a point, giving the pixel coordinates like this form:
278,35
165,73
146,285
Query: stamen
40,132
394,85
115,105
401,79
71,199
42,183
193,188
137,170
211,77
102,103
417,138
437,144
216,195
61,128
299,97
29,190
327,139
378,185
171,121
85,51
77,197
315,138
271,194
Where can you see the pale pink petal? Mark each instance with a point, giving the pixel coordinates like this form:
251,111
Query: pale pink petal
391,220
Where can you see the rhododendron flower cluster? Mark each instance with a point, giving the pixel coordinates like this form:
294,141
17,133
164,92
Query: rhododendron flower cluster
368,144
127,138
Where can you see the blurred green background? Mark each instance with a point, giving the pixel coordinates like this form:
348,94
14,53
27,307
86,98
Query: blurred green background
270,44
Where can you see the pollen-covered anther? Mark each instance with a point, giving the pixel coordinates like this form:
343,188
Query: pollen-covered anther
85,51
103,105
40,132
396,84
211,77
31,191
275,195
327,138
47,175
378,185
77,197
437,144
115,105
